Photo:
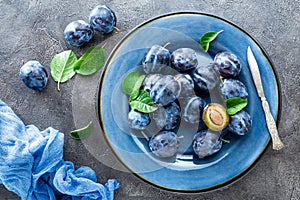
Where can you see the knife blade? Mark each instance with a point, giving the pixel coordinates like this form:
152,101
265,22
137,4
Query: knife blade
277,143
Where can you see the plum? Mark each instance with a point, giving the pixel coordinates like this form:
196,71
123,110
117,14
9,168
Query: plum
138,120
78,33
165,90
240,123
227,64
167,117
156,60
150,81
193,109
164,144
34,75
233,88
184,59
215,116
206,78
206,143
103,19
186,85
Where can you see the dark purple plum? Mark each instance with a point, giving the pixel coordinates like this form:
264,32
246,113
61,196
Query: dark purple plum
184,59
165,90
156,60
186,84
164,144
193,109
103,19
78,33
167,117
34,75
227,64
233,88
138,120
150,81
206,78
240,123
206,143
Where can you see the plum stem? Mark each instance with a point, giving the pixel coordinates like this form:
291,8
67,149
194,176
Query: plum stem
103,45
180,137
167,44
117,29
226,141
144,134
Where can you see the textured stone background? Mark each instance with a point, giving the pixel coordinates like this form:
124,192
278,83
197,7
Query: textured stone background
32,29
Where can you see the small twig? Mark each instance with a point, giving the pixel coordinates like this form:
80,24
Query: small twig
226,141
117,30
167,44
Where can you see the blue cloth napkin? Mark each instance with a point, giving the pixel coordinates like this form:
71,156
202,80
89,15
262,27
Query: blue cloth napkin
32,165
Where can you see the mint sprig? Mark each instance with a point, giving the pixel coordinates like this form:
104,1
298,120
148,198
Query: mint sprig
62,67
130,82
82,133
65,65
235,104
136,89
139,99
91,61
143,103
207,38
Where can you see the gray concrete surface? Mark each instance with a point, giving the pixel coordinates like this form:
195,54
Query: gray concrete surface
32,29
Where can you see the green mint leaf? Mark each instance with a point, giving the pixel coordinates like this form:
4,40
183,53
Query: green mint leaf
145,97
142,107
207,38
136,89
91,61
143,103
130,81
134,94
82,133
234,105
62,67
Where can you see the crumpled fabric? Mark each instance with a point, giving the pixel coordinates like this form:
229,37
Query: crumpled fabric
32,164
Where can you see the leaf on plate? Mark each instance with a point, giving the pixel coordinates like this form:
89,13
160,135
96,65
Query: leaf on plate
130,81
143,103
207,38
82,133
136,89
234,105
91,61
62,67
134,94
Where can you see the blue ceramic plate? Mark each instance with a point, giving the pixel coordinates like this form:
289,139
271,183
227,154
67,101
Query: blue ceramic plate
185,173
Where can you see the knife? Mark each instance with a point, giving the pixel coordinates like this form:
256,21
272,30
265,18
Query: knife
277,144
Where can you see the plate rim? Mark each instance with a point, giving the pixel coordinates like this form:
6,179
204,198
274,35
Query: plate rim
228,182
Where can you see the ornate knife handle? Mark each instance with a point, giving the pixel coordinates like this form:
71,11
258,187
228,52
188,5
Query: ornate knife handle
277,144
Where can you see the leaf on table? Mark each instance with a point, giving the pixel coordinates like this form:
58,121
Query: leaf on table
62,67
91,61
82,133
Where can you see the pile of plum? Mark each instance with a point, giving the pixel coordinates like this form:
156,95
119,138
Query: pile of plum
80,32
180,99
